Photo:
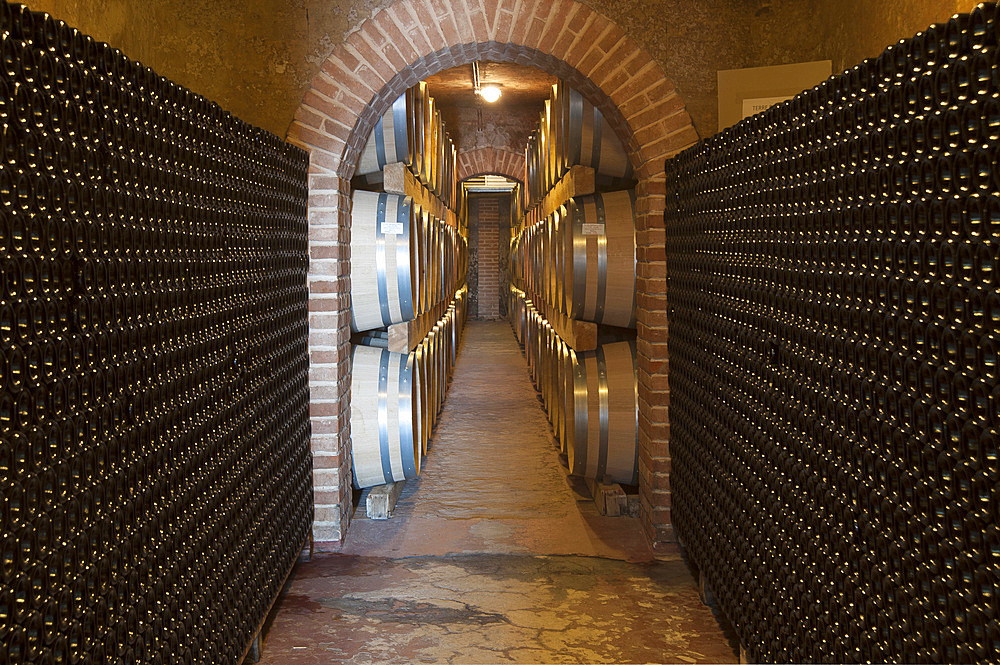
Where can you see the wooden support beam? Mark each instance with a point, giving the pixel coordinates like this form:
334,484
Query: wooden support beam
579,335
578,181
609,497
398,179
382,500
404,337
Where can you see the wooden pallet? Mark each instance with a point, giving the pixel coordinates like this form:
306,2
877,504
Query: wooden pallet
381,500
610,498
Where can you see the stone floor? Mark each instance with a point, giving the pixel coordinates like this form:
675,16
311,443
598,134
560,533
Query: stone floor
494,555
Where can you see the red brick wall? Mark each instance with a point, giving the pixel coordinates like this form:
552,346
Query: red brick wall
500,161
398,46
488,242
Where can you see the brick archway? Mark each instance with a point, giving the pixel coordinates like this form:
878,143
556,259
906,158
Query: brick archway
403,44
480,161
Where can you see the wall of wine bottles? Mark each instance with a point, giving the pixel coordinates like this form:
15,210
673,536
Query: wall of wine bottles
155,474
835,392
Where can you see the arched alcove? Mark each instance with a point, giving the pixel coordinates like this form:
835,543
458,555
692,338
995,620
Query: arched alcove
403,44
489,160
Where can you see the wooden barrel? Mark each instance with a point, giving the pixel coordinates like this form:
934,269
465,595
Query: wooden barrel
558,352
454,336
604,439
530,344
599,259
424,252
385,434
441,340
384,275
392,139
430,143
376,338
419,128
434,386
537,344
554,260
556,162
546,146
592,141
567,396
421,367
518,313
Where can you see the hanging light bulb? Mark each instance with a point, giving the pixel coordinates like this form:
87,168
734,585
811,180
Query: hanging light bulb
490,93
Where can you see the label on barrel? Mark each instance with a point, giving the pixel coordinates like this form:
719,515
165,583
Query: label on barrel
392,228
593,229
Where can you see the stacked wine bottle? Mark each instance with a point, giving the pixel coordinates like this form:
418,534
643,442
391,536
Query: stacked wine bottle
835,392
155,475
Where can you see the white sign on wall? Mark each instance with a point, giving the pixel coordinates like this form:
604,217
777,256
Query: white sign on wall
745,92
758,104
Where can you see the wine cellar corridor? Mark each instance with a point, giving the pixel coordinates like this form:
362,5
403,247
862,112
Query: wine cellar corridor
494,554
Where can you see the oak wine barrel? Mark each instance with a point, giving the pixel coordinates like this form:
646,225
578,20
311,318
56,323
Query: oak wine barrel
392,139
421,364
592,141
599,259
385,432
603,443
384,275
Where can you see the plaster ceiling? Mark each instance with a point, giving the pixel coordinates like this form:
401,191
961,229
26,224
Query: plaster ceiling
475,123
522,86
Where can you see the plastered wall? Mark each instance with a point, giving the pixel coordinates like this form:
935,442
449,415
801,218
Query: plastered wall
507,128
844,31
257,57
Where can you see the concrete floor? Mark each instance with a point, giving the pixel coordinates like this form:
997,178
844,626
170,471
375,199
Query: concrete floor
494,555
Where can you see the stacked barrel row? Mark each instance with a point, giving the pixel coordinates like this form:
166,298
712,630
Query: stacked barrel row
412,132
572,131
404,260
155,469
580,260
396,398
832,274
590,396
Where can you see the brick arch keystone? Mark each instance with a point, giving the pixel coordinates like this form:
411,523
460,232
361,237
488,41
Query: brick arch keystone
395,48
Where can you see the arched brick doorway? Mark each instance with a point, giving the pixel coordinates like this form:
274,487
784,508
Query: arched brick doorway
488,160
403,44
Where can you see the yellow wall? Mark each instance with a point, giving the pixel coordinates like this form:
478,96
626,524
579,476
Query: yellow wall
254,57
257,57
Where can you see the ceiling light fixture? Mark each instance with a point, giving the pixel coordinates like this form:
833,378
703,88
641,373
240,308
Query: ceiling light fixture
490,93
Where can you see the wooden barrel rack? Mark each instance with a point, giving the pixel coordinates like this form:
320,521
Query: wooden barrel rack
407,238
572,300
